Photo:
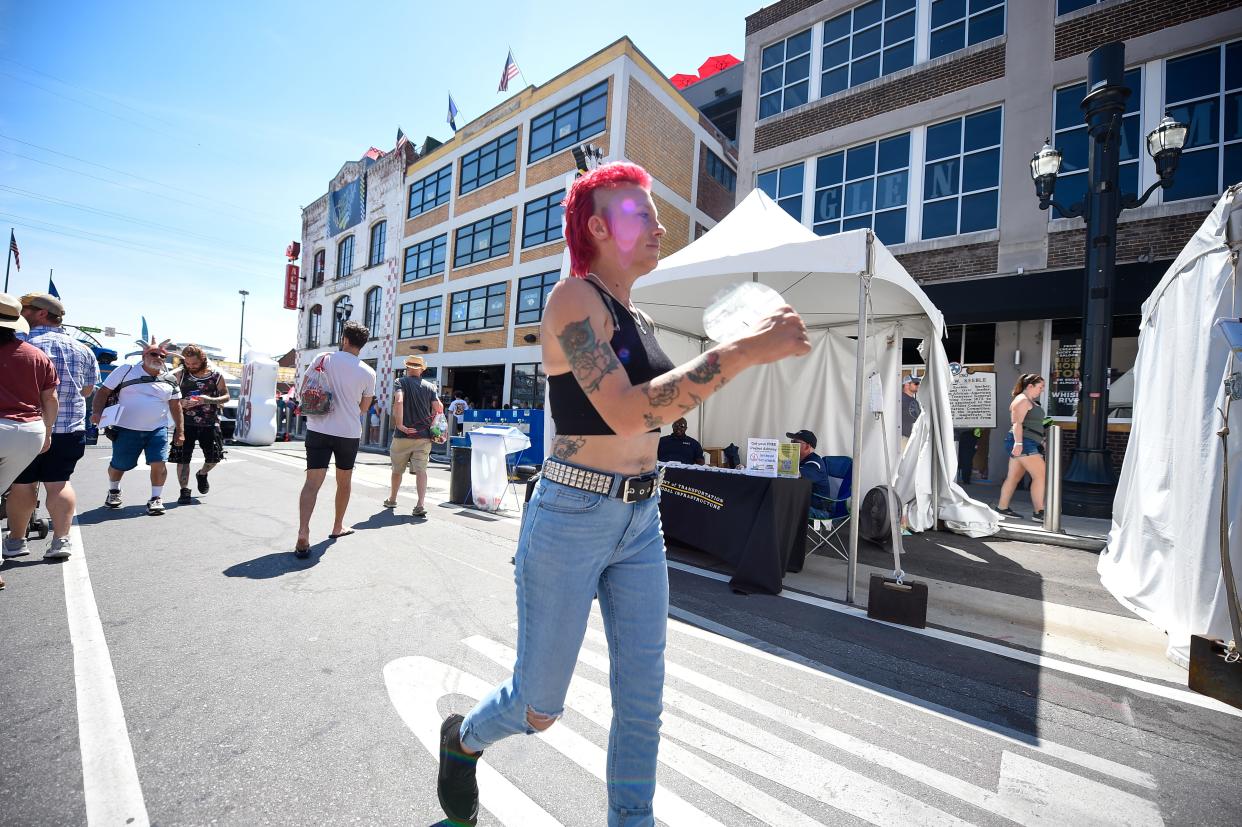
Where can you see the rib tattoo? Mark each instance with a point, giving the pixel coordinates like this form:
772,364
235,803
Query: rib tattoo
589,359
564,447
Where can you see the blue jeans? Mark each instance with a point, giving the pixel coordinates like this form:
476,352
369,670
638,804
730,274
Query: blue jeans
574,545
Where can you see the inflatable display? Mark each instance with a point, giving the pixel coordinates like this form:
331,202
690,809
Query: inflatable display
256,403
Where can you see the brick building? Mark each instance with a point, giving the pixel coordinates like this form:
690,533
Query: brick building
481,243
918,118
353,273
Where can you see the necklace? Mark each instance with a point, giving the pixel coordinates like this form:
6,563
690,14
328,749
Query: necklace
633,311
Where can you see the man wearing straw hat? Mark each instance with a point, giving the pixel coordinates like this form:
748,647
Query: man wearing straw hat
414,409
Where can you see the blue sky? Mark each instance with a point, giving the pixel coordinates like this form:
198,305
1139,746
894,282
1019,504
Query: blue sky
156,155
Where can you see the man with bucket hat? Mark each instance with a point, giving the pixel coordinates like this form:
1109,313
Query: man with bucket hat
415,408
78,374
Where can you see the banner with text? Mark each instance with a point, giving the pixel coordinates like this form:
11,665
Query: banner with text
972,399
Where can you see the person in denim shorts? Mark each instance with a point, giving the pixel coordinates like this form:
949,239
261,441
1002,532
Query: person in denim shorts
592,527
1025,444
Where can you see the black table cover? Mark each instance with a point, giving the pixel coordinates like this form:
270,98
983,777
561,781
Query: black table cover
755,524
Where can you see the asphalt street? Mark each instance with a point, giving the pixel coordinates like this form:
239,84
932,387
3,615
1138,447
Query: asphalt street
187,669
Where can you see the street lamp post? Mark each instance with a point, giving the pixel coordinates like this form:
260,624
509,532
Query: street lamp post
241,334
344,310
1089,484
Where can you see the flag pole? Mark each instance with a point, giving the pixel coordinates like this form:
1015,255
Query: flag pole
8,259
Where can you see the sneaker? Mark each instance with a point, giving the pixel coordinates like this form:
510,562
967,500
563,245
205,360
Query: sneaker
113,500
15,548
155,507
186,498
1038,516
61,548
1009,512
419,511
203,485
456,785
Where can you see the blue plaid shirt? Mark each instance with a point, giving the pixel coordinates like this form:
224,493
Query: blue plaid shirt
77,369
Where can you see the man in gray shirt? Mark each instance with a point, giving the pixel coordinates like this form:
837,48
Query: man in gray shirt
414,409
910,407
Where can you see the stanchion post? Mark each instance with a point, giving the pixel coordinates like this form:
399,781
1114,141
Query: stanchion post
1052,484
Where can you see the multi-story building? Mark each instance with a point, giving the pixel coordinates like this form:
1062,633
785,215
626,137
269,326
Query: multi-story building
351,254
918,119
482,245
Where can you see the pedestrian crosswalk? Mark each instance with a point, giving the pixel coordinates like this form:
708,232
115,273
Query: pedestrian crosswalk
739,747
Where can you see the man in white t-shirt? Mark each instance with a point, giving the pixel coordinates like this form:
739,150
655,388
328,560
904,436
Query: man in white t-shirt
335,435
148,395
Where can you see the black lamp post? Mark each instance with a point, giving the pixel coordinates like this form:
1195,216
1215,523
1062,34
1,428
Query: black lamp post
1089,484
241,333
344,309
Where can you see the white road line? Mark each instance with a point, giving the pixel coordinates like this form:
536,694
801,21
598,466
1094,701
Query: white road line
776,760
695,626
109,774
1159,690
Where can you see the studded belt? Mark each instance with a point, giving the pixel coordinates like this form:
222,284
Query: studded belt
627,489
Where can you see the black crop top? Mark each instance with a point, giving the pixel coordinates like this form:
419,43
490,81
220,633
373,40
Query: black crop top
636,349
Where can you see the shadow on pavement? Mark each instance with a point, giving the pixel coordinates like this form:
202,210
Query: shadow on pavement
103,514
278,563
387,517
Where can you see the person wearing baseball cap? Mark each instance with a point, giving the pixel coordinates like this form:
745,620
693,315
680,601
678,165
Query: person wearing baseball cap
414,409
78,374
28,406
811,467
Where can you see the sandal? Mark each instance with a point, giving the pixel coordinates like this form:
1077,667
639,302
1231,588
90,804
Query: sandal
301,551
390,503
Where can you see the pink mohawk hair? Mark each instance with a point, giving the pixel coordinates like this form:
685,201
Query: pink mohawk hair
580,206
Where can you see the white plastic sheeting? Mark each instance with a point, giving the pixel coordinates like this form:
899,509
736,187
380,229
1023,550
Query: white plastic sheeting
256,401
489,470
1163,553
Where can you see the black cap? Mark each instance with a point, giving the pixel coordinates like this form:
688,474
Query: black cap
803,436
918,380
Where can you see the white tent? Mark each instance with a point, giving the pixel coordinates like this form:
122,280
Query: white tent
843,286
1163,554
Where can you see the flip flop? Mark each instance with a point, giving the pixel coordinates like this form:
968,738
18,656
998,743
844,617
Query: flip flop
300,550
344,533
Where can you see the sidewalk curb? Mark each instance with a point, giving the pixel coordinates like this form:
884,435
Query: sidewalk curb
1037,535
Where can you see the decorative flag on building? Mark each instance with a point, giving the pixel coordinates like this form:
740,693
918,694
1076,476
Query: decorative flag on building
509,73
400,136
347,206
452,113
17,255
51,287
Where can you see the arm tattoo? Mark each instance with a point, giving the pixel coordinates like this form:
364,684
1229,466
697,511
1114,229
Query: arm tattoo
706,371
661,396
652,421
589,359
564,447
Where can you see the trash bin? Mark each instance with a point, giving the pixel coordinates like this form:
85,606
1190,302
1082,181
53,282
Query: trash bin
489,466
459,475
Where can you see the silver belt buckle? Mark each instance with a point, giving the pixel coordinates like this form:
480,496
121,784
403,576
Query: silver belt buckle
656,479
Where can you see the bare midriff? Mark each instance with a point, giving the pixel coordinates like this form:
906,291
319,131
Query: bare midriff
628,455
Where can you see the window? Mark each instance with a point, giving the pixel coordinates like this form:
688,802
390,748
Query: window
1204,91
528,387
572,122
379,236
961,175
1067,6
785,75
425,258
428,193
1070,136
864,186
482,240
533,295
718,169
341,310
495,159
1065,371
477,309
543,219
420,318
318,267
784,186
313,322
868,41
345,258
955,26
371,311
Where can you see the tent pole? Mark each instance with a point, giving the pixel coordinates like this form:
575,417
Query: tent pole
856,497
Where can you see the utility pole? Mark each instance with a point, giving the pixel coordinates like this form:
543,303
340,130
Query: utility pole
241,334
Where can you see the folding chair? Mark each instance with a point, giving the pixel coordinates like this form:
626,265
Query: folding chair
830,515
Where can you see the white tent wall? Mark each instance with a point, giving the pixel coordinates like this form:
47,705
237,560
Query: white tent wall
1163,553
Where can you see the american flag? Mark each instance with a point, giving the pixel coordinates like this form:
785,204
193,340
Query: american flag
509,73
17,254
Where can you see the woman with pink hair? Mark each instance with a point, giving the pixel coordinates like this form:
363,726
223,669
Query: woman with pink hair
592,527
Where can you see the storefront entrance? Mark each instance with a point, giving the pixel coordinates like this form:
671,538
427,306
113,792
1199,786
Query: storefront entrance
483,386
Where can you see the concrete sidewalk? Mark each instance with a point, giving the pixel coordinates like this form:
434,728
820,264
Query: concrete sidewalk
1084,533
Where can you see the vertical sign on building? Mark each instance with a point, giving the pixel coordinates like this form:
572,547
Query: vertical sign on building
292,272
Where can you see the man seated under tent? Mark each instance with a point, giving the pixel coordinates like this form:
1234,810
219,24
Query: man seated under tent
811,467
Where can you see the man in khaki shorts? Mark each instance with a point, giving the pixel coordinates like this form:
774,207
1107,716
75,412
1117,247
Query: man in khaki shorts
414,408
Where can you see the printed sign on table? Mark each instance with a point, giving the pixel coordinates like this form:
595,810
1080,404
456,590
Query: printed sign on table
972,399
787,460
761,456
